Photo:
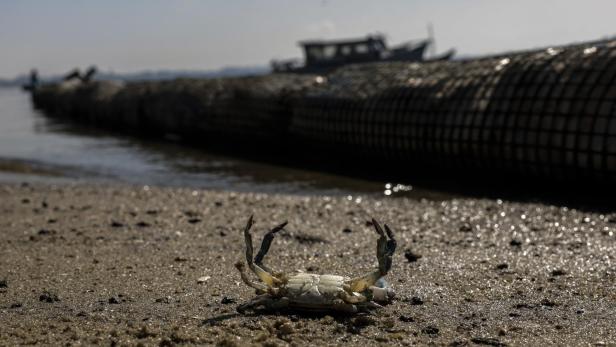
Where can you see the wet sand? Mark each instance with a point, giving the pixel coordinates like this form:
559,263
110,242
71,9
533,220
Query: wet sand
120,265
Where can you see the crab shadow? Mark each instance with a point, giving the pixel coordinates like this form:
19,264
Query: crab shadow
213,321
353,323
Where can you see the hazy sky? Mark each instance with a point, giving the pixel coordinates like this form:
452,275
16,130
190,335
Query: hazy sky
134,35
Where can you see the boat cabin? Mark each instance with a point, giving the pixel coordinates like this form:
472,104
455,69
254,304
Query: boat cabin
323,56
336,53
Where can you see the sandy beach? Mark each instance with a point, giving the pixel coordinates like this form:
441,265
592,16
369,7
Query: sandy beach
126,265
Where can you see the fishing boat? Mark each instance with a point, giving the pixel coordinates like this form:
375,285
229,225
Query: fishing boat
326,55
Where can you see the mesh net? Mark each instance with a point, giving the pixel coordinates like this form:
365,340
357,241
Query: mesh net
546,113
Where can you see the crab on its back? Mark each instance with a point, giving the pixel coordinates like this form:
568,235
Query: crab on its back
313,289
316,292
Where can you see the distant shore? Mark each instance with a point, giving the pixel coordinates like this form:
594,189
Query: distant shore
110,264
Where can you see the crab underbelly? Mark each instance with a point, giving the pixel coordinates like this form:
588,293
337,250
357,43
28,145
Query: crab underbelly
311,291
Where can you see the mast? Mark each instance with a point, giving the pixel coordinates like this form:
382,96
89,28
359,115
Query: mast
432,40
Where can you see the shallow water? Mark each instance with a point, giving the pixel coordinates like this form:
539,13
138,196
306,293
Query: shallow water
34,147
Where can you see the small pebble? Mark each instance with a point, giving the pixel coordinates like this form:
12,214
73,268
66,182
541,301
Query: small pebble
465,228
115,224
286,329
406,319
416,301
46,232
48,297
489,341
502,266
410,256
225,300
363,321
430,330
203,279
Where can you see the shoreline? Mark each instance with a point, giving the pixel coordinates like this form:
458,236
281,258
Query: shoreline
103,263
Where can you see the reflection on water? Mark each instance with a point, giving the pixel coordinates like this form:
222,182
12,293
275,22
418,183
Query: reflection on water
35,147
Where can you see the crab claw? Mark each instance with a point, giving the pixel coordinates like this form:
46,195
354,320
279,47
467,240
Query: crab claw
385,248
263,275
382,291
266,243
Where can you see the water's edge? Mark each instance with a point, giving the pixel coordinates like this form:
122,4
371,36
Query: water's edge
34,147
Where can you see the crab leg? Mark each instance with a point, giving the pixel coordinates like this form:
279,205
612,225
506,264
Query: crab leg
258,286
263,275
369,305
254,303
344,307
265,301
385,248
351,299
265,245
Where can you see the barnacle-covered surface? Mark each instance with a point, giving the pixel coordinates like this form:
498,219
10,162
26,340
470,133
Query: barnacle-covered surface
545,114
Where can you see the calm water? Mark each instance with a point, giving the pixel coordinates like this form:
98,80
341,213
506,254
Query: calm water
33,147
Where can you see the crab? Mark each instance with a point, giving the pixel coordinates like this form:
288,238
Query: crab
315,292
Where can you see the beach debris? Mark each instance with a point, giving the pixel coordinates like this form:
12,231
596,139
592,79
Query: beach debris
46,232
411,256
466,228
116,224
164,300
430,330
47,296
487,341
283,327
406,319
502,266
415,301
226,300
314,292
203,279
515,243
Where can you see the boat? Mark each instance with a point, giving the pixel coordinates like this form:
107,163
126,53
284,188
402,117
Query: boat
326,55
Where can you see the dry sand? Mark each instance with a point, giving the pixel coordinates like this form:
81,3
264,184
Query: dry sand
119,265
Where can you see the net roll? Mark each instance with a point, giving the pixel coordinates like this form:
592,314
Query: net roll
547,113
